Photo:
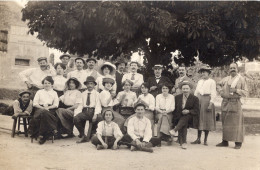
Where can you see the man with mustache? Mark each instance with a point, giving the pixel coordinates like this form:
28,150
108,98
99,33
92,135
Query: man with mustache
231,89
155,82
182,76
91,62
33,77
79,73
65,58
135,77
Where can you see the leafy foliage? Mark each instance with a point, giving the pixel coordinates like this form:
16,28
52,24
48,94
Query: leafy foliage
219,32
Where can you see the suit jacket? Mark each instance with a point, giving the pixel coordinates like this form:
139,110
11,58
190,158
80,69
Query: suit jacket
192,104
119,82
152,82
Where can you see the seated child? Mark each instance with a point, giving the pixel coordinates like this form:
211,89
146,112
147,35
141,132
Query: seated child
108,133
22,106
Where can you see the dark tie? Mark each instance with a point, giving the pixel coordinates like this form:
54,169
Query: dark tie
88,99
133,77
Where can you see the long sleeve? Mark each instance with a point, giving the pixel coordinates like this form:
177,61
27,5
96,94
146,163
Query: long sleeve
131,129
100,128
29,108
104,97
25,74
244,90
157,103
172,105
196,92
56,100
36,99
117,131
152,103
16,107
148,132
213,92
140,81
98,105
62,98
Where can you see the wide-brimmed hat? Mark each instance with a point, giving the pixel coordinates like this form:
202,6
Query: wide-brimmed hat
112,66
75,80
205,68
157,66
65,55
90,79
24,92
108,80
80,58
91,59
185,82
129,81
136,62
41,58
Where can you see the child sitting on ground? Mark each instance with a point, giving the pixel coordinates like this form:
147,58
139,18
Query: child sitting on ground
108,133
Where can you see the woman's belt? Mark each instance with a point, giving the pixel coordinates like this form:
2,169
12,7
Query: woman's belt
231,99
205,94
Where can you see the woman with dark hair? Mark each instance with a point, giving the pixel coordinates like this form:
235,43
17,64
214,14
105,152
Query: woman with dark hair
59,79
106,70
206,92
108,132
44,123
165,105
70,102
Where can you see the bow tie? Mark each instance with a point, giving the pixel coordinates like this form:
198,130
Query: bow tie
157,78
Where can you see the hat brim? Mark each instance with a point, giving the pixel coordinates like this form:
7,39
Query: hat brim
80,59
113,72
157,67
139,104
86,82
205,69
65,56
24,92
91,59
67,83
185,83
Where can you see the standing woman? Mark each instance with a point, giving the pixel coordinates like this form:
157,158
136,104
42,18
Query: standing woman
106,70
59,79
165,105
71,100
44,123
206,92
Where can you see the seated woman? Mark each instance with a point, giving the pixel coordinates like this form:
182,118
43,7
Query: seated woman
22,106
106,70
165,105
108,133
59,79
44,123
107,102
71,100
126,100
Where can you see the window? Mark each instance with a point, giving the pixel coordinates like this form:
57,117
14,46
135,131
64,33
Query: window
3,40
22,62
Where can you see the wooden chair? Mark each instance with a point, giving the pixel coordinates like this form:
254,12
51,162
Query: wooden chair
22,120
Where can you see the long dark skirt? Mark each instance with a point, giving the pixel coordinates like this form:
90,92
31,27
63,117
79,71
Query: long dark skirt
43,123
66,118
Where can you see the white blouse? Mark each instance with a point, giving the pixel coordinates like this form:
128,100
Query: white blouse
104,97
100,86
149,99
111,129
206,87
44,97
165,103
129,98
71,97
59,82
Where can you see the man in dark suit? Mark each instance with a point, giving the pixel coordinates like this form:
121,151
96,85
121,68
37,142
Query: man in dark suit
186,112
120,64
155,82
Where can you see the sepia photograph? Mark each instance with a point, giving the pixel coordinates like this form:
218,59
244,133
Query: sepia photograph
129,85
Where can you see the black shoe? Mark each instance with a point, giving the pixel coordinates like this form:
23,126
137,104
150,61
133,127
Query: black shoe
197,141
205,143
222,144
42,140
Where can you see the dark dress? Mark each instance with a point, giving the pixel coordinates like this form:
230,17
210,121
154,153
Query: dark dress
119,77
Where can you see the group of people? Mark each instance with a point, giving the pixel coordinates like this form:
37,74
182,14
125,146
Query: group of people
123,109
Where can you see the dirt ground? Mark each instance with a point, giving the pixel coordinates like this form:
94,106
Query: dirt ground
20,153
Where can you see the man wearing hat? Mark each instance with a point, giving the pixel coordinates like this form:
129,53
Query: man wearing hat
139,130
231,89
182,76
120,65
79,73
135,77
157,80
91,109
33,77
65,58
22,106
186,110
91,62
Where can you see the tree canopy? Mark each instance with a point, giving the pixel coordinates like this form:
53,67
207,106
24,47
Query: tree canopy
219,32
